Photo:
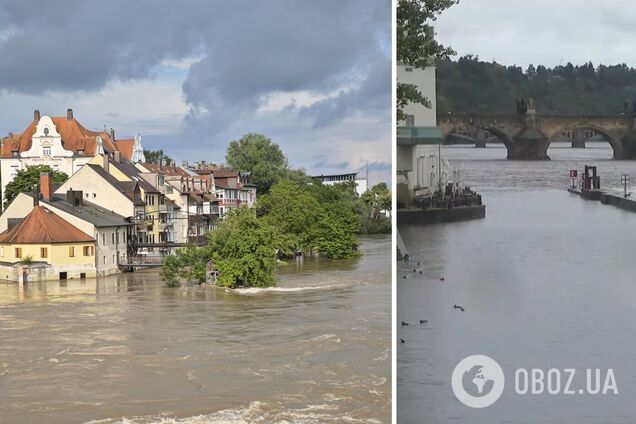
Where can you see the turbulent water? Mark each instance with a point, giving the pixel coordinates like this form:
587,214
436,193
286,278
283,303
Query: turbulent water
547,281
125,349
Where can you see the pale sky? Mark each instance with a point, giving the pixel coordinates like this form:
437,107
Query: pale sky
547,32
193,75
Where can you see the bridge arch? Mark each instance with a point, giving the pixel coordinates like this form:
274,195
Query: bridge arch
501,135
612,139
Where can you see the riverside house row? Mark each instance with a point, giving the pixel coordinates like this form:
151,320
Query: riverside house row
117,209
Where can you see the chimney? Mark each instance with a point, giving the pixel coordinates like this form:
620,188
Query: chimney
36,196
105,161
117,156
46,185
10,134
75,197
36,115
112,134
69,114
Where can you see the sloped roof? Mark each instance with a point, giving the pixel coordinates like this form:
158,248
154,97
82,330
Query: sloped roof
125,146
90,212
125,187
129,170
164,169
43,226
74,138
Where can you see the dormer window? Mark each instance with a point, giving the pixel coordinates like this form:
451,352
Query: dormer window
80,152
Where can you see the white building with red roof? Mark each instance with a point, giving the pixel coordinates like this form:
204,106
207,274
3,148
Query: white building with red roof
61,143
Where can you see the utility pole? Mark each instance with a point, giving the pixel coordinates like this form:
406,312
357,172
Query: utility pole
625,180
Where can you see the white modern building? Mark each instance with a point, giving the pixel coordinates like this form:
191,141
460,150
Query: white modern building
362,184
420,168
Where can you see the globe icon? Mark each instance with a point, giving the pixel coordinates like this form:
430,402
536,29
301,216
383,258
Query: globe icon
476,381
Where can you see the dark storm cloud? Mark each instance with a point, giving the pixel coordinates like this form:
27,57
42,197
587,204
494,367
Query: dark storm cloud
249,50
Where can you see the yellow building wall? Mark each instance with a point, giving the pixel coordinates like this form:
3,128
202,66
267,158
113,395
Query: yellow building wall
57,254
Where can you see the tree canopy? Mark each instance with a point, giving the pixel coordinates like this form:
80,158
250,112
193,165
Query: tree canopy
470,85
416,44
257,154
26,179
154,156
244,250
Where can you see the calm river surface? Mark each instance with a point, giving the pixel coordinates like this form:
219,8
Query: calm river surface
317,348
547,279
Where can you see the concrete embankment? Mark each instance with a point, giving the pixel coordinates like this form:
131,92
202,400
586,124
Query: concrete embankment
606,198
435,215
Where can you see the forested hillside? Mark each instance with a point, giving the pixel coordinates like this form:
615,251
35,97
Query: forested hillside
474,86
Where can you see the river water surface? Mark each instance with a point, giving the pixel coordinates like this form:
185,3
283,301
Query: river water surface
547,280
126,349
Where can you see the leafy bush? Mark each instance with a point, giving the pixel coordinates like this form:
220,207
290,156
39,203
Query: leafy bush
244,250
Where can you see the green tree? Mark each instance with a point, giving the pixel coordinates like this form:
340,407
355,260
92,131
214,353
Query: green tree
376,202
294,211
257,154
337,233
416,44
154,156
26,179
244,250
187,265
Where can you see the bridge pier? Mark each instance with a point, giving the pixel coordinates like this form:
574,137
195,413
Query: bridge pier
480,139
578,141
627,146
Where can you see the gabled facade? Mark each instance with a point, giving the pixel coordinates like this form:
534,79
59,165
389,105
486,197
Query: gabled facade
62,143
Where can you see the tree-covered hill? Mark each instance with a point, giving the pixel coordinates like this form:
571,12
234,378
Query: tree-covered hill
469,85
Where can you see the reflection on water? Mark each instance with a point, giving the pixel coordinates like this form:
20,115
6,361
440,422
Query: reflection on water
547,280
316,348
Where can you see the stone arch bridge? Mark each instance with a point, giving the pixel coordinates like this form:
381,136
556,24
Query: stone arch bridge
528,135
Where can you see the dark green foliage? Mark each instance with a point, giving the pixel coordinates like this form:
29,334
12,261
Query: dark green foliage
257,154
244,250
26,179
154,156
416,44
470,85
187,265
376,202
294,211
337,231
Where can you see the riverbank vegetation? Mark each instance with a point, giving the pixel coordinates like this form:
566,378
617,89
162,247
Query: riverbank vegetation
293,215
470,85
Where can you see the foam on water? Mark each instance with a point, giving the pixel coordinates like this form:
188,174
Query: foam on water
255,412
263,290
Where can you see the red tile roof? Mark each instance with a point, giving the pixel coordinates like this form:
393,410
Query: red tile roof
125,146
74,137
43,226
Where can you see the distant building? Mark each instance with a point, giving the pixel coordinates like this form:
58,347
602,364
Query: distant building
62,143
420,169
42,246
361,184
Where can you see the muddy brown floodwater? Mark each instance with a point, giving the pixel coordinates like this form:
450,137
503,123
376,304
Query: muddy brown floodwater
316,348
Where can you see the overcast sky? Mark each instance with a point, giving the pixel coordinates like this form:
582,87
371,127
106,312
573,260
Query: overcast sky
193,75
547,32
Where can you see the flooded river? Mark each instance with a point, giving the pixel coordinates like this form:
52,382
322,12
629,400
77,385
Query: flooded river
126,349
547,280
